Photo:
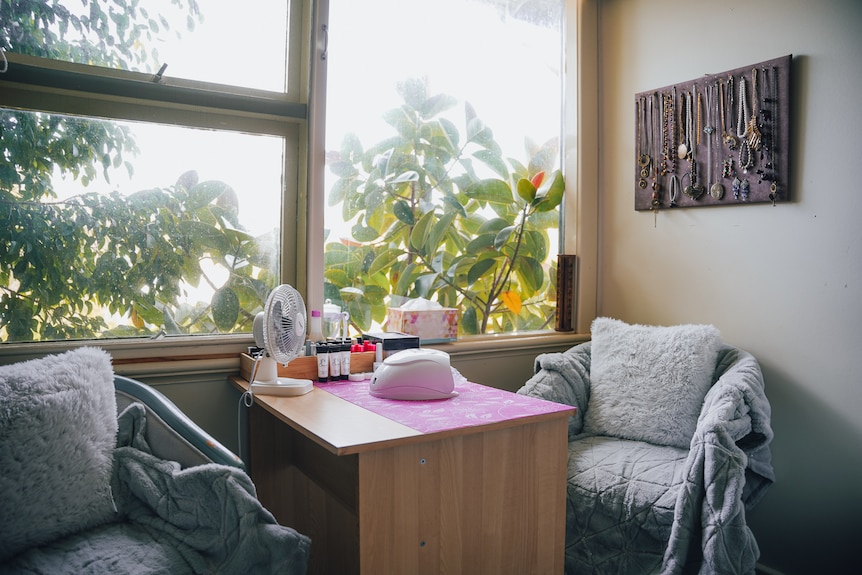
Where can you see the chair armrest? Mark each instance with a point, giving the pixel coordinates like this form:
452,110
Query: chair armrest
563,378
171,433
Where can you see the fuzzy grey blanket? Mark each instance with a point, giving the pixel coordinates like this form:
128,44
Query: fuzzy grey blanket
633,507
203,519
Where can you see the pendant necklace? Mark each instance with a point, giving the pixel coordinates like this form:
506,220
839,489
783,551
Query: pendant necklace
673,190
684,146
643,157
716,190
726,136
754,135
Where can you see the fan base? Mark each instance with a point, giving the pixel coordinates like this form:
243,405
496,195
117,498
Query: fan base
283,387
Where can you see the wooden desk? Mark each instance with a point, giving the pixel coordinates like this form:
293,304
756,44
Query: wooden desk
378,497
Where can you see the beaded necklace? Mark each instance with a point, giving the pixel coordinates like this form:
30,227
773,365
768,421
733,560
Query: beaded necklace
746,160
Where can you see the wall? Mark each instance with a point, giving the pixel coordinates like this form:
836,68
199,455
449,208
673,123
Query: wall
783,282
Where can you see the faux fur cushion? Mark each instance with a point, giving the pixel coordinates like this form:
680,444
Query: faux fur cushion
648,383
58,425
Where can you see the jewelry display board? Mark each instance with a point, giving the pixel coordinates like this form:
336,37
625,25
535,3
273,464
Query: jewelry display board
720,140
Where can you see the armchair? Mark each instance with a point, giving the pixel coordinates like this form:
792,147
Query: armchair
659,488
103,474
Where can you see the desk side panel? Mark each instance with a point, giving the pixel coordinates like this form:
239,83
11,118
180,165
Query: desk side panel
306,487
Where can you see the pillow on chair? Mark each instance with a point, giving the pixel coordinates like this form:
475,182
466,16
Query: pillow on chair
58,426
647,383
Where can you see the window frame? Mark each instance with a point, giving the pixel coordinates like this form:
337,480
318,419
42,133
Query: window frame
40,84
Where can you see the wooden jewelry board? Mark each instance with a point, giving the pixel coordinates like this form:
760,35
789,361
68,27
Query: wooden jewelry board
748,169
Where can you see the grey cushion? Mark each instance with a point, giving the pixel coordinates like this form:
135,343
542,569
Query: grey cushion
58,423
647,383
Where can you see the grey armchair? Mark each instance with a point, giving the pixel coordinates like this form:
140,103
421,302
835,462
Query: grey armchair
637,507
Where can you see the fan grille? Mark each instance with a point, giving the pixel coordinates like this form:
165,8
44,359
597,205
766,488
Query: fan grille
284,324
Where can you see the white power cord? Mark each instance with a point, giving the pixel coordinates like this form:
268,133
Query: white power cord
247,400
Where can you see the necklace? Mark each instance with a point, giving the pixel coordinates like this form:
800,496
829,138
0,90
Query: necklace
693,190
773,136
726,136
673,190
684,151
754,135
655,143
716,190
746,160
742,116
643,157
671,129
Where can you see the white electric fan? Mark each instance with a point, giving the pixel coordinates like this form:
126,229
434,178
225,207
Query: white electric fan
280,331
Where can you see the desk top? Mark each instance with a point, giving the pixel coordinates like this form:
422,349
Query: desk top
344,418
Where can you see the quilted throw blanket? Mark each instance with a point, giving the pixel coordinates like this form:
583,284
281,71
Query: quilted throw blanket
633,507
204,520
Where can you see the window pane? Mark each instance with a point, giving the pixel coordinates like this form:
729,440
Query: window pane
196,41
113,229
435,112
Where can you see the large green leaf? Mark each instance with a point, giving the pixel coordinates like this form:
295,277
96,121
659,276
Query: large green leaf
401,120
503,236
493,160
479,269
484,242
364,233
204,193
526,190
530,272
436,105
421,232
438,231
406,279
403,212
225,308
469,321
550,193
490,190
384,260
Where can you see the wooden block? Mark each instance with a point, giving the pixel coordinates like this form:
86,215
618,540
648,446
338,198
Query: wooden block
305,367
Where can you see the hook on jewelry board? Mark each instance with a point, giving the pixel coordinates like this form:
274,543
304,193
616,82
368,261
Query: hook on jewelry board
4,67
325,29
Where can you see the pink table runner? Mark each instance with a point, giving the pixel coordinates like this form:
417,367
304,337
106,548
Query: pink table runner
475,405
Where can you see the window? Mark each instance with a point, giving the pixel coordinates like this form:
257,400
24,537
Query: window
150,172
153,176
442,132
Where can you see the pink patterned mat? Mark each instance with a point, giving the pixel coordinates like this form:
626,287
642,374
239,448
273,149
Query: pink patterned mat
475,405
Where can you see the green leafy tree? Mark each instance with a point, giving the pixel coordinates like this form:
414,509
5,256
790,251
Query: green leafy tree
427,224
64,262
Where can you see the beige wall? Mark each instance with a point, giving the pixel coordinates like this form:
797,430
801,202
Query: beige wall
783,282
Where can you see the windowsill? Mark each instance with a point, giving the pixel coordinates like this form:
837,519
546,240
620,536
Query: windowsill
221,353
